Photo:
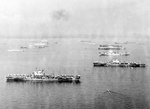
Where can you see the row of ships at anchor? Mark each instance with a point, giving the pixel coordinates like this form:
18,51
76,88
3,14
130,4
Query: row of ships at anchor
40,76
110,51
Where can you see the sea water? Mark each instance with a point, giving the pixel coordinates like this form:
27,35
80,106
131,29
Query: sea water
100,88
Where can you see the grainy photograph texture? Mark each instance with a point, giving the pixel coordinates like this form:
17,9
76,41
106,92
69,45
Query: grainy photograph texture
74,54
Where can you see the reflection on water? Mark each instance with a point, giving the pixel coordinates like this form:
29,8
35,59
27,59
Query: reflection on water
100,88
41,83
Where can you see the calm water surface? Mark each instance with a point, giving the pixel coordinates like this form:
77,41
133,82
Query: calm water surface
129,88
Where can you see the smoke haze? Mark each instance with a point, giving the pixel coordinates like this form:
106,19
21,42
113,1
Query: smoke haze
74,18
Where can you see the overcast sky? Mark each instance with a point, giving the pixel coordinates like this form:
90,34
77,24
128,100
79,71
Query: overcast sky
36,18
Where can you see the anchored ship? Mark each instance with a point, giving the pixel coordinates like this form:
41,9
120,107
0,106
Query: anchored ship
112,53
110,47
126,42
107,45
116,63
40,76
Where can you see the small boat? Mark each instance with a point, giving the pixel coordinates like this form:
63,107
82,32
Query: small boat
126,42
24,47
40,76
116,63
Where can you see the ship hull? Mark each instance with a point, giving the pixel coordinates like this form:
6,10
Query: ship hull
40,76
115,48
118,65
114,55
41,80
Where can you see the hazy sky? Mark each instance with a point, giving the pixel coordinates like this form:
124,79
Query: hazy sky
36,18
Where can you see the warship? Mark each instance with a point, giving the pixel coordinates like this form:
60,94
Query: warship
40,76
112,53
116,63
110,47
